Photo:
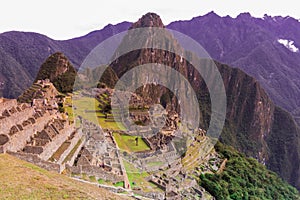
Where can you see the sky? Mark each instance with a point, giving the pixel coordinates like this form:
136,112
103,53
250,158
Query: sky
65,19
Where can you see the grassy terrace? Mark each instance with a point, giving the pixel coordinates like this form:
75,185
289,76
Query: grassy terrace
127,143
60,151
154,164
88,108
196,153
137,178
70,155
119,184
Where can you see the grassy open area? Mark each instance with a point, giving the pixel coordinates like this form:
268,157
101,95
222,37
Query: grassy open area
154,164
119,184
128,143
105,182
137,178
88,108
68,108
23,180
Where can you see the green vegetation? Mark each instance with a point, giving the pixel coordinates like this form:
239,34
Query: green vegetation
104,182
88,108
68,108
157,163
61,75
137,178
92,75
245,178
128,143
119,184
92,178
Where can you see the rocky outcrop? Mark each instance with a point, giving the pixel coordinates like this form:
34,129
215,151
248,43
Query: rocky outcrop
58,69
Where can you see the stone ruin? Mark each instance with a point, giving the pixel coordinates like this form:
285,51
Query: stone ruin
36,134
43,95
39,134
99,157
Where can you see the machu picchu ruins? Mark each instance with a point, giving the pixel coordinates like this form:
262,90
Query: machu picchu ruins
34,129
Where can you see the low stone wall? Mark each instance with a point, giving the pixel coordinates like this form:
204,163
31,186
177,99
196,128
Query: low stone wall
113,189
37,161
151,195
95,171
33,149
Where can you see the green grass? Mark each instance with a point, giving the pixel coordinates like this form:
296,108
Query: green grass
153,164
68,100
84,104
137,178
119,184
68,108
92,178
196,153
127,143
105,182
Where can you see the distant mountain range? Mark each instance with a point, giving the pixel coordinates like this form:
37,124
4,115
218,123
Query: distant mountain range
255,45
22,54
264,48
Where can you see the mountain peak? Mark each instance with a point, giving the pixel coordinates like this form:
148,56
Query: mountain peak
149,20
59,70
245,15
212,14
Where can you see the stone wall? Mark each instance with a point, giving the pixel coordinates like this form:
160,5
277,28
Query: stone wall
18,141
113,189
16,118
73,142
7,104
95,171
72,160
151,195
33,149
37,161
56,142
